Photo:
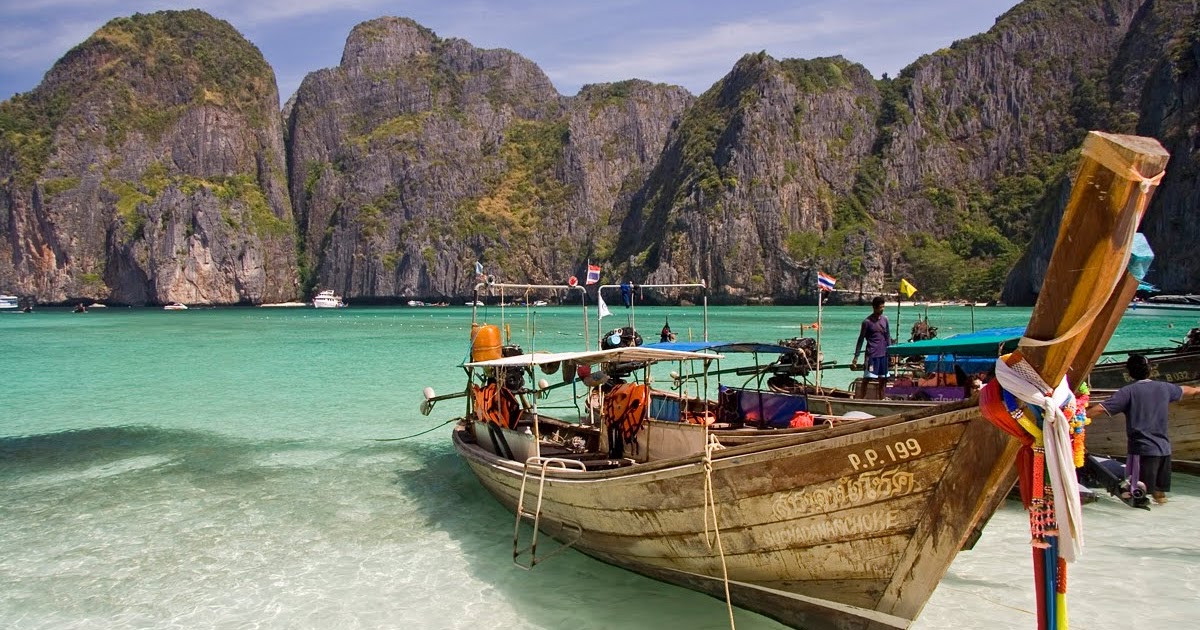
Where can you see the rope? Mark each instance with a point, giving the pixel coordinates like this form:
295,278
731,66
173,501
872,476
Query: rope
1113,160
710,504
415,434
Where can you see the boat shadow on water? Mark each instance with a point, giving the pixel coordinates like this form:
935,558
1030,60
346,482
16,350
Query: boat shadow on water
568,590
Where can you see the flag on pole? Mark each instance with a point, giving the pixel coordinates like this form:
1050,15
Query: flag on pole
593,275
478,268
603,308
825,281
907,288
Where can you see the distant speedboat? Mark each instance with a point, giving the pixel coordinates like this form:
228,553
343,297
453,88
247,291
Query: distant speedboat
474,303
328,299
415,303
1167,304
175,306
540,303
9,301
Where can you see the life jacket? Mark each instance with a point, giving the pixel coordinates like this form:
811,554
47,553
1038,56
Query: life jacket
626,408
496,405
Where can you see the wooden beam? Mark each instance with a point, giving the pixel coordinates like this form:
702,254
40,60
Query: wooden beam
1111,191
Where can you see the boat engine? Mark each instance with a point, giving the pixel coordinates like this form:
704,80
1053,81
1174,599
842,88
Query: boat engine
512,377
1192,341
801,360
624,337
922,331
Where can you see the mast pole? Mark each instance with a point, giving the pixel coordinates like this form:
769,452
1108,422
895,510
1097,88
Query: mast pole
820,298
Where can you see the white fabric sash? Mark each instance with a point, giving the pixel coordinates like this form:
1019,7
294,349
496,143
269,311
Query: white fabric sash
1060,461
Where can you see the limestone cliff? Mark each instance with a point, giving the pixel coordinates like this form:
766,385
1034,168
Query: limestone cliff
748,181
150,165
148,168
418,156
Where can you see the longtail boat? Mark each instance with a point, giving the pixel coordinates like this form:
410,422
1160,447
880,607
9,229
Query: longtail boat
851,527
1106,435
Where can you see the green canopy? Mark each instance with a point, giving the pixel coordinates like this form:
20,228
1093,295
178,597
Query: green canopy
990,342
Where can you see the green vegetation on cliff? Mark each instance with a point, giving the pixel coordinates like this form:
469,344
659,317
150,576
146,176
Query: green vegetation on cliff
525,189
143,72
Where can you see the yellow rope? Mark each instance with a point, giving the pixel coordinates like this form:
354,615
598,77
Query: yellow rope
710,503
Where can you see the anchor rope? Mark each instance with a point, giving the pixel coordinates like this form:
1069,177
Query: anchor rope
415,434
710,504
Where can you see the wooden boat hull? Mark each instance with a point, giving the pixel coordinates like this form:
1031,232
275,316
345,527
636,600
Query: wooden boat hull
1106,434
851,527
1183,368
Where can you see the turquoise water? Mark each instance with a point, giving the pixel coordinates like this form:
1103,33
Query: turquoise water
220,469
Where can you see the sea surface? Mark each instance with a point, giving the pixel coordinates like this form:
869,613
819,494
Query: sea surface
241,468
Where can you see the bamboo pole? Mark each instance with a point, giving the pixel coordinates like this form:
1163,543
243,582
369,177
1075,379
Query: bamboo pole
1112,188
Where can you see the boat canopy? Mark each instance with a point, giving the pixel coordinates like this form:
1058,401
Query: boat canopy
632,353
728,347
989,342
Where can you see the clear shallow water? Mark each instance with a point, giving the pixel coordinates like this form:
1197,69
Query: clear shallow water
218,469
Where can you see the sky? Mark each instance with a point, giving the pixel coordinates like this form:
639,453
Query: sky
689,43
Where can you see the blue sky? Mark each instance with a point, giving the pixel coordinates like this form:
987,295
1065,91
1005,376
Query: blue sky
689,43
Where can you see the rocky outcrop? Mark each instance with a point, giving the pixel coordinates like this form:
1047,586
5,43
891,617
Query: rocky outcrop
146,168
749,179
418,156
150,165
1150,87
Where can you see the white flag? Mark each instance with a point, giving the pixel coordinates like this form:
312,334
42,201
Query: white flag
602,306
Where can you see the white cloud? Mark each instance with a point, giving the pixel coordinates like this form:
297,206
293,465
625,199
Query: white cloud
675,54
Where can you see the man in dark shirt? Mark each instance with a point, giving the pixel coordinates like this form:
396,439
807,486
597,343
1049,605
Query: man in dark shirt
1144,403
876,332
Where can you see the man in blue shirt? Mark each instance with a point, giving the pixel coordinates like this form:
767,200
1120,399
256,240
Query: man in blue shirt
1144,403
876,331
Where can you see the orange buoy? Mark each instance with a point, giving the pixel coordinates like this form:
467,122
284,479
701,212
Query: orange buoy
485,344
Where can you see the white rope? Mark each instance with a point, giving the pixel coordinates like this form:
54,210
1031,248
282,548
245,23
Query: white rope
1024,383
710,505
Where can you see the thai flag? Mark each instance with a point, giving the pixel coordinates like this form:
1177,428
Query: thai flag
593,275
825,281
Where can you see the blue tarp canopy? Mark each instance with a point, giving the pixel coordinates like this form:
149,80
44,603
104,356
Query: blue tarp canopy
723,347
970,365
981,343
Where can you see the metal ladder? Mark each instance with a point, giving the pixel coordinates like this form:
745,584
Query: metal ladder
542,463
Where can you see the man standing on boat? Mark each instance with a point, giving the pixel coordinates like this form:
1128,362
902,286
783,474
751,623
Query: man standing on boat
877,333
1144,403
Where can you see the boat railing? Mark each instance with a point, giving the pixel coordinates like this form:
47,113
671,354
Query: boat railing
542,465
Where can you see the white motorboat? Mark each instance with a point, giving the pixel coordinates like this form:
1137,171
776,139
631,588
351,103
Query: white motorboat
9,301
328,299
175,306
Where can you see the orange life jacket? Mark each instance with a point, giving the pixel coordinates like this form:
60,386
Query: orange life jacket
626,408
496,405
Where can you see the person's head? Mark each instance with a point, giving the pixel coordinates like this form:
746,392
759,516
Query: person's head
877,304
1138,366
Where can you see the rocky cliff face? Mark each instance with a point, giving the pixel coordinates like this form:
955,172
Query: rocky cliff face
418,156
748,181
1153,89
145,169
149,166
